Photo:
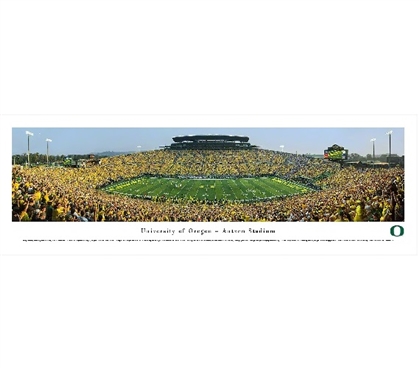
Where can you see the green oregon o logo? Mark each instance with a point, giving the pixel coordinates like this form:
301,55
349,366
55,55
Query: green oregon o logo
397,230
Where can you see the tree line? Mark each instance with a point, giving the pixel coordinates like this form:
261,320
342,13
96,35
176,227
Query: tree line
368,157
41,158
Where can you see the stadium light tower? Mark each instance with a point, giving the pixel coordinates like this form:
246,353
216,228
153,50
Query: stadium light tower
282,147
139,148
48,140
389,144
29,134
373,148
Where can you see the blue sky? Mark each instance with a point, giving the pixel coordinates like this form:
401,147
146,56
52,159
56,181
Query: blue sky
67,141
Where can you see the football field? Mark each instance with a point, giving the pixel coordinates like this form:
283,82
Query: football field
242,189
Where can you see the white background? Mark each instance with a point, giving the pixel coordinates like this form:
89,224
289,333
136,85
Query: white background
219,57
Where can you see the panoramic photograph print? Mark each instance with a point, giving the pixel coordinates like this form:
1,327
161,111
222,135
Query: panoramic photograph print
207,174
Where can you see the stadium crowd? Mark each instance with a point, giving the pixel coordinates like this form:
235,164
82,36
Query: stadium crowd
71,194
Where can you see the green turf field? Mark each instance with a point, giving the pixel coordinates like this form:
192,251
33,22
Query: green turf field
243,189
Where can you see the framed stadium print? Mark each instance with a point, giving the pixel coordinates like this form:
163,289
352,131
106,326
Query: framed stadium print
217,184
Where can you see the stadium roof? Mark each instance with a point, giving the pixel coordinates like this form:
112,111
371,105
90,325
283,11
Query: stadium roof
210,137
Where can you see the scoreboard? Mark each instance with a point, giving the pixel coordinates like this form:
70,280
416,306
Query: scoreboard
336,153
